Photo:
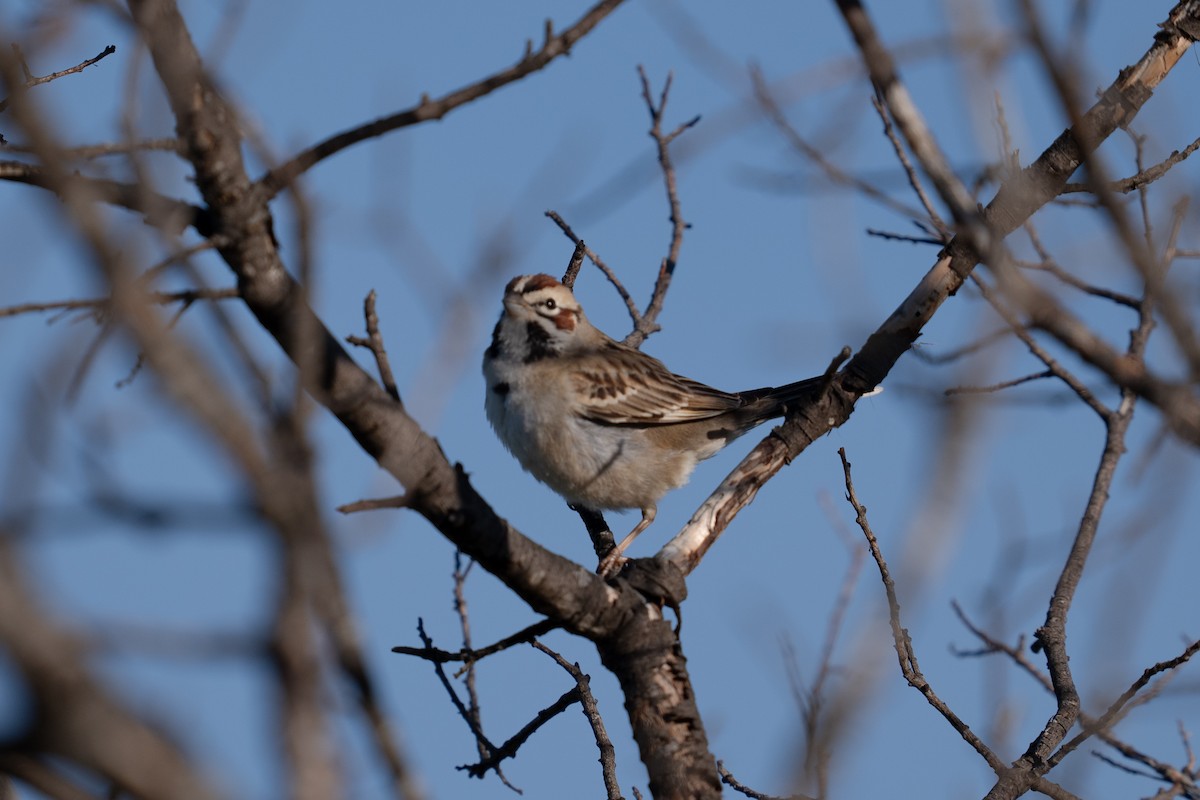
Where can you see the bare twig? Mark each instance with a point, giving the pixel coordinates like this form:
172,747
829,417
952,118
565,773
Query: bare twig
608,755
1118,706
374,343
180,256
399,501
733,783
1052,364
1143,177
158,210
1050,266
634,313
986,340
766,101
102,304
1017,653
905,652
464,624
819,728
93,151
510,747
996,387
647,324
523,636
463,711
574,265
891,236
914,180
429,109
31,80
1139,249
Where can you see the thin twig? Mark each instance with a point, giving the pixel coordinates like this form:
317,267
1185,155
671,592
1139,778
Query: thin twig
733,783
1050,266
181,256
647,324
608,754
1066,80
1143,178
811,699
89,152
1052,364
766,101
1017,654
520,637
463,712
1115,709
986,340
158,210
510,747
374,504
905,653
996,387
429,109
464,620
183,296
1139,160
890,236
914,180
31,80
374,343
634,313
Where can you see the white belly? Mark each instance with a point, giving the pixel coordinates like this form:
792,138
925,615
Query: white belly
599,466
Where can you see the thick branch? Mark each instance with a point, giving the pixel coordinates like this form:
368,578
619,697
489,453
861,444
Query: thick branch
439,491
1016,200
646,657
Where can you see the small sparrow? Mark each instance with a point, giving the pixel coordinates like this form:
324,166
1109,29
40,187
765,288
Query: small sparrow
601,423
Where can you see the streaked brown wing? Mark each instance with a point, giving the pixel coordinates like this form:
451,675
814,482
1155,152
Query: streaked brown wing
623,386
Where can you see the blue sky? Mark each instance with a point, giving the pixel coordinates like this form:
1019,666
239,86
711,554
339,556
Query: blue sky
776,274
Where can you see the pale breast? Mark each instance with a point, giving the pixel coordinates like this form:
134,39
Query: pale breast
600,466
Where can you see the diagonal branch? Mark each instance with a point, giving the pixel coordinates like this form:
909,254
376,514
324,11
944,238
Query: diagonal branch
905,653
509,748
31,80
159,210
591,710
1016,200
433,109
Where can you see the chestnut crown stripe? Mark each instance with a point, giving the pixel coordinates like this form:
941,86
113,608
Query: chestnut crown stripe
533,283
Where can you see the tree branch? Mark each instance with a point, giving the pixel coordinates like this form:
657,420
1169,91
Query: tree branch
433,109
31,80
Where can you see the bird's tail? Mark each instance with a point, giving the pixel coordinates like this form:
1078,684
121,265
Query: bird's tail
788,394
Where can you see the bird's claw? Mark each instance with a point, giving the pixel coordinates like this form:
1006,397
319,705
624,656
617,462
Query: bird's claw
611,564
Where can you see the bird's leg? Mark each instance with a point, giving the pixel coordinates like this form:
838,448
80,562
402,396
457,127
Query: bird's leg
612,562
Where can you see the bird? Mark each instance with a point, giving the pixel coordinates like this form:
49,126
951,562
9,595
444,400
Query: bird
603,424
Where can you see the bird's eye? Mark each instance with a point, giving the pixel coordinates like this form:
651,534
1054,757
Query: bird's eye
550,305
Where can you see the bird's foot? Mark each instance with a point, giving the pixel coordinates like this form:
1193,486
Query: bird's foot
611,564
